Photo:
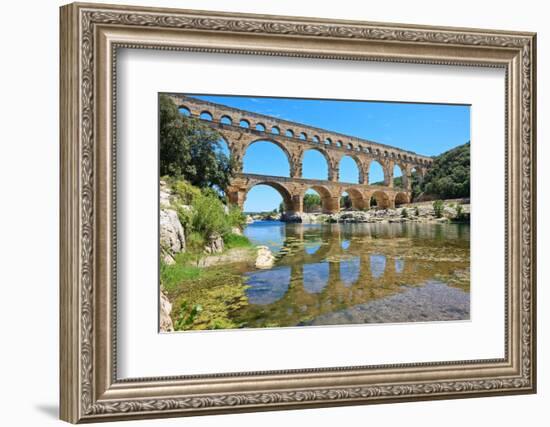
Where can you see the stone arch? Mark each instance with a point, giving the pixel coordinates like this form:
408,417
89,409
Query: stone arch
275,130
303,136
328,141
401,174
358,166
280,145
206,115
382,199
260,127
184,111
325,156
244,123
285,193
358,200
329,202
401,198
374,175
226,120
289,133
316,139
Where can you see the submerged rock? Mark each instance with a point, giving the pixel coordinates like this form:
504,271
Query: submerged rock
264,258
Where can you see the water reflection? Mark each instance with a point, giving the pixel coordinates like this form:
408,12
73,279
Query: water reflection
322,269
377,265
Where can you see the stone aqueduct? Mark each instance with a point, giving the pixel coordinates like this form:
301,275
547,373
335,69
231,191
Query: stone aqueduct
242,128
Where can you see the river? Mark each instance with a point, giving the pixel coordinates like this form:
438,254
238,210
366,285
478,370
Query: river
329,274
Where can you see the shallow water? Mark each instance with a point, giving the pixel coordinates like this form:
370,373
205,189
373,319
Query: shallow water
328,274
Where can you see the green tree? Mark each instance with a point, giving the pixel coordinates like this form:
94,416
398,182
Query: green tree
449,175
312,202
191,150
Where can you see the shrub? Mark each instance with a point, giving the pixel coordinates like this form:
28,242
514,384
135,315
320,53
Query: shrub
404,213
209,216
236,217
185,192
417,211
438,208
460,214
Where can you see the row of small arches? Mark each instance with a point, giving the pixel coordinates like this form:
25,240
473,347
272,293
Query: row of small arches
289,133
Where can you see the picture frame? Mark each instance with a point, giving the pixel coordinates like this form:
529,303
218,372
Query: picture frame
91,35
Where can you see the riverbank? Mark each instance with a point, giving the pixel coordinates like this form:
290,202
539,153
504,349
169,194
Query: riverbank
421,212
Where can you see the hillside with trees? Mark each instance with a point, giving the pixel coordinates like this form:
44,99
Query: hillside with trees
448,178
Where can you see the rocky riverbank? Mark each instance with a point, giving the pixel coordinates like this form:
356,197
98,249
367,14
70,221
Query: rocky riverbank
423,213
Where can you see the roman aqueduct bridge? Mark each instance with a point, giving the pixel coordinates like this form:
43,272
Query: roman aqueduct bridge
242,128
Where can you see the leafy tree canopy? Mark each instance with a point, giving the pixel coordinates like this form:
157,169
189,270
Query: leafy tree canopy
449,176
191,150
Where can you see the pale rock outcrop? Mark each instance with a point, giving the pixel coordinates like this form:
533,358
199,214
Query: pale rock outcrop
264,258
164,195
165,308
215,245
172,236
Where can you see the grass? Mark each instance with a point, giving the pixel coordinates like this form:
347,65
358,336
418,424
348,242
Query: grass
232,241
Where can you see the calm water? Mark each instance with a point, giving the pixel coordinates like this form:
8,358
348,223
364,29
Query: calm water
358,273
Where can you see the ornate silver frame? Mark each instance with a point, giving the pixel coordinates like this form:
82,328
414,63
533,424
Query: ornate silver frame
90,36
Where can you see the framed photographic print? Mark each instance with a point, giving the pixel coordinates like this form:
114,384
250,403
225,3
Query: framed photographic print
266,212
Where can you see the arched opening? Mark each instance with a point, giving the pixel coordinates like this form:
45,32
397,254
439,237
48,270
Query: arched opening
379,200
255,156
303,136
398,177
316,139
226,120
244,123
275,130
184,111
289,133
348,170
312,201
314,165
328,141
345,201
339,144
322,194
401,199
223,147
349,146
267,197
376,173
205,115
260,127
352,199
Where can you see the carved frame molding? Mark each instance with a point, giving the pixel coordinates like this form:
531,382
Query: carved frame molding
90,37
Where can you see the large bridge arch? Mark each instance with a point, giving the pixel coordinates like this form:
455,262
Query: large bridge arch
247,145
329,200
285,193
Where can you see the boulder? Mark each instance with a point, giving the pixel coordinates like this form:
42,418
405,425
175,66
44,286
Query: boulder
165,308
215,245
172,236
164,195
264,258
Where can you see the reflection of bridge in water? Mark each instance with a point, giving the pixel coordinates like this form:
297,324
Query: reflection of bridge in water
323,269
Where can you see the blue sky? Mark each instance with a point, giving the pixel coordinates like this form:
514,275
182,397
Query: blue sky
428,129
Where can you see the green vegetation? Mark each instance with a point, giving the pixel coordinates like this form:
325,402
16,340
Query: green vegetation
345,202
312,202
438,208
236,241
417,211
191,150
449,176
404,213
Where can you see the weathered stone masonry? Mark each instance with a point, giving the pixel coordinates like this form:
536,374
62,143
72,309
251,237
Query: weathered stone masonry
242,128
